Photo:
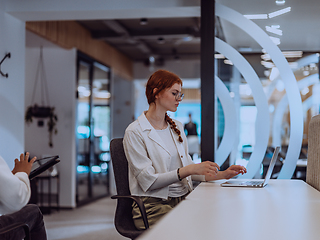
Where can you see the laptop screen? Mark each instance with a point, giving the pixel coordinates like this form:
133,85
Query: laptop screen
271,166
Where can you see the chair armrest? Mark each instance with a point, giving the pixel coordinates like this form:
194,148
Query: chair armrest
140,204
15,226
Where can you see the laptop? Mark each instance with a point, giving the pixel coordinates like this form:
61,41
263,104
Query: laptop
255,183
44,164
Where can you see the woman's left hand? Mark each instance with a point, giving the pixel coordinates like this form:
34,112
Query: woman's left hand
233,171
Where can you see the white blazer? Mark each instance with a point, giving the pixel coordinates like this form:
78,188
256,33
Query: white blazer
14,189
147,157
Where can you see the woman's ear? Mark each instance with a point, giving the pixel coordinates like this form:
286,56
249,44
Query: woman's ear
154,91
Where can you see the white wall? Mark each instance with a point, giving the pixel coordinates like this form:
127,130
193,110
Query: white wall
60,70
122,105
12,39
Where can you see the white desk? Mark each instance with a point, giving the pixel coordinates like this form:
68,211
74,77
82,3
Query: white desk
284,209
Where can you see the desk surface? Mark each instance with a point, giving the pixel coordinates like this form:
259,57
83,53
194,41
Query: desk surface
284,209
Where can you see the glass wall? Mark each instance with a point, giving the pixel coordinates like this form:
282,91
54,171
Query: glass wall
93,129
273,85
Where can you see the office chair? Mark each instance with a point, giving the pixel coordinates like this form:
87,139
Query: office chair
15,227
123,216
313,164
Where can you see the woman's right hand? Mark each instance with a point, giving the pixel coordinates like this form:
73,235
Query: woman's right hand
24,165
206,168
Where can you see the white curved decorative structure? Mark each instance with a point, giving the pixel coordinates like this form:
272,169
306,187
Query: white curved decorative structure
230,127
262,120
308,103
302,62
282,106
291,87
305,61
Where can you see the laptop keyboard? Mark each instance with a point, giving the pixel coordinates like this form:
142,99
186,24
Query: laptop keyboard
253,183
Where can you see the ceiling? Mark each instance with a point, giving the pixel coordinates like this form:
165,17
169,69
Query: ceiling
179,37
142,38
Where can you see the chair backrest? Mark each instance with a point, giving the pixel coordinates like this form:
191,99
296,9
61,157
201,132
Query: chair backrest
313,165
123,217
120,166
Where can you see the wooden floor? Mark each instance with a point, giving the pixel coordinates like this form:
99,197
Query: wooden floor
90,222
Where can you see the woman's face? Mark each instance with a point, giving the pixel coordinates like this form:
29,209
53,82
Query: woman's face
169,98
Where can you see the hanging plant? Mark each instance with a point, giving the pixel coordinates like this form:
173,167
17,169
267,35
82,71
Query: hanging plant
44,111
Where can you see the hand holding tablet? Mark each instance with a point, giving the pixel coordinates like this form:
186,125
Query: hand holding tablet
49,162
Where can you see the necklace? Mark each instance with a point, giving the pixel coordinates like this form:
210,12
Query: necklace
158,128
155,126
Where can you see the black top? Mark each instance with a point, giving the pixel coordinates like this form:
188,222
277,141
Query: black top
191,128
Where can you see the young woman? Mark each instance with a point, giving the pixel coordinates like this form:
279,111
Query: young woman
160,169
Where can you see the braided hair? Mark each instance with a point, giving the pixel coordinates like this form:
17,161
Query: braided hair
173,127
162,80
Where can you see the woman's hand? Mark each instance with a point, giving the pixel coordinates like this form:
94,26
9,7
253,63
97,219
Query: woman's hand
231,172
23,165
206,168
211,171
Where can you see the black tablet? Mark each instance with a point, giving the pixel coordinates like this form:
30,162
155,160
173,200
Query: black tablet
43,165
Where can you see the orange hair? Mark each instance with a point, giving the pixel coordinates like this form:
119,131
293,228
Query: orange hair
162,80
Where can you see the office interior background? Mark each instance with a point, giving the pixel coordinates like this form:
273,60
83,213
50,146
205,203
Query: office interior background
90,60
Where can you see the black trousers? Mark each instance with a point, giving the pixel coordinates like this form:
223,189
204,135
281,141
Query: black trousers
31,215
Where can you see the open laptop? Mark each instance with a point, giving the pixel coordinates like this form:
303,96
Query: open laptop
255,183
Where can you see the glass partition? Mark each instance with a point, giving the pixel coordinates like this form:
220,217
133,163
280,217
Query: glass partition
93,129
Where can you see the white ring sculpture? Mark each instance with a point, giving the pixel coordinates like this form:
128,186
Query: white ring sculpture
288,77
282,106
230,127
263,119
302,62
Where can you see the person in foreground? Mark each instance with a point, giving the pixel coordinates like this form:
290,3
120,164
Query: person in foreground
14,195
160,169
